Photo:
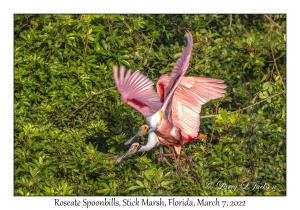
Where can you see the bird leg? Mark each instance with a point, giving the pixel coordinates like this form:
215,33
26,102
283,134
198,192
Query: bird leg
165,159
189,161
177,152
174,153
176,158
179,169
161,155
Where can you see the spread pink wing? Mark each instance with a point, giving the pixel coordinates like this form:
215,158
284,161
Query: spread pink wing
183,62
178,72
137,91
189,96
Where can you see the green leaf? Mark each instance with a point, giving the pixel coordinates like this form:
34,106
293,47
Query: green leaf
126,63
146,183
139,183
134,188
266,85
103,191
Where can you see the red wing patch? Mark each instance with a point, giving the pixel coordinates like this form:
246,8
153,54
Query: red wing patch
138,103
160,90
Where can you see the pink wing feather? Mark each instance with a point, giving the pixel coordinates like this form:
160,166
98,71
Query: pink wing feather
178,71
137,91
188,99
183,62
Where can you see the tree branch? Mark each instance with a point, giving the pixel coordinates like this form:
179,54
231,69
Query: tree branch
270,19
276,58
273,55
212,116
148,51
87,101
86,44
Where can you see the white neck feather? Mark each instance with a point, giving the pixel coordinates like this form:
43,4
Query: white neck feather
152,141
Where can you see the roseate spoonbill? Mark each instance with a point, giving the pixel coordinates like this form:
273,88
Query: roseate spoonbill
172,114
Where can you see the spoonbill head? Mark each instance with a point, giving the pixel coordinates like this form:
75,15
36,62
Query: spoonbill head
142,131
138,147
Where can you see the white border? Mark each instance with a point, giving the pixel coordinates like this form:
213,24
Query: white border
8,8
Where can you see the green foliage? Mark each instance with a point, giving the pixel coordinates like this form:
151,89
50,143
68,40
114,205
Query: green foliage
61,61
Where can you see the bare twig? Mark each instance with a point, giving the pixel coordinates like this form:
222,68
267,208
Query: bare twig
148,52
66,130
273,55
212,116
109,25
275,59
270,19
86,43
230,20
212,133
87,101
